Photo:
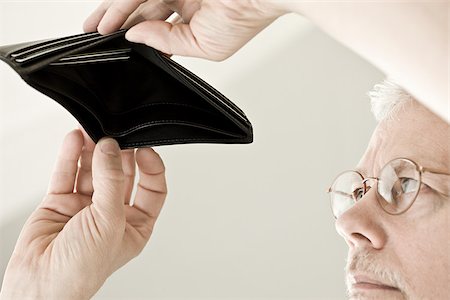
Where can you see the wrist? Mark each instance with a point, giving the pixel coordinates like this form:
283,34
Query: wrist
27,285
19,292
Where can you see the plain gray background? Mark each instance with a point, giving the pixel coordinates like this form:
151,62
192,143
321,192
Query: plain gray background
241,221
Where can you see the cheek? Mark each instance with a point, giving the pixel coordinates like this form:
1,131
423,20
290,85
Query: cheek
428,204
422,248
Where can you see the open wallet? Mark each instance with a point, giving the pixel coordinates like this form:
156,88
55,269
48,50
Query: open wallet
128,91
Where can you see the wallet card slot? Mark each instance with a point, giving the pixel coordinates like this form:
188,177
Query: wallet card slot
61,47
86,61
94,55
55,49
42,46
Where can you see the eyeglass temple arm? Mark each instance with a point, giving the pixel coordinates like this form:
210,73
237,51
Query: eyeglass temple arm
434,171
437,172
329,190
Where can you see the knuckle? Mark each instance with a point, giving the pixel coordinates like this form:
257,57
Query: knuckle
168,2
113,175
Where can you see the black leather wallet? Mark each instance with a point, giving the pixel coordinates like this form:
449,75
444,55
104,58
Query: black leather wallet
128,91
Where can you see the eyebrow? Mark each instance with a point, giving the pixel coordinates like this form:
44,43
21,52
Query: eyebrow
400,167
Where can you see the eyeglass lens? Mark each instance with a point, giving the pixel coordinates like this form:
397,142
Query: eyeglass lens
398,186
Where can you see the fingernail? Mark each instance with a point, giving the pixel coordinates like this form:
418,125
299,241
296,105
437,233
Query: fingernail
110,147
130,36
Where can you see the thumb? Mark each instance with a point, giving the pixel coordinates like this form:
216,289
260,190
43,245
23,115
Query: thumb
108,180
175,39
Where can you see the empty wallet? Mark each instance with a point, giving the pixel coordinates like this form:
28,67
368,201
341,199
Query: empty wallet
128,91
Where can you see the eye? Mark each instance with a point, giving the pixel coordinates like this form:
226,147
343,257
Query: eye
409,185
358,194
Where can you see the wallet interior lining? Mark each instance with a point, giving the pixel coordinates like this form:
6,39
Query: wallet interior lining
199,83
144,88
177,133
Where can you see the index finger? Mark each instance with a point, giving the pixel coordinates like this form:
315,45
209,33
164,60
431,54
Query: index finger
91,23
116,15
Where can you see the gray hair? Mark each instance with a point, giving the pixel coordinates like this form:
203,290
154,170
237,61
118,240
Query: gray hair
386,98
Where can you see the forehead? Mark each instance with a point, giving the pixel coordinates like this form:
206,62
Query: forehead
413,132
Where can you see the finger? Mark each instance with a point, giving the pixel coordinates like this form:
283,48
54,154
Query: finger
152,190
172,19
84,178
91,23
108,179
129,170
65,171
176,39
116,15
148,11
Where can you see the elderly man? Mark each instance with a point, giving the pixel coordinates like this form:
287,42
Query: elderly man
392,210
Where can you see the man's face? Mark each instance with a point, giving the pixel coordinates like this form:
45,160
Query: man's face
404,256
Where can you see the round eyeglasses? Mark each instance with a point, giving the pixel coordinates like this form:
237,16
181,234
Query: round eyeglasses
398,185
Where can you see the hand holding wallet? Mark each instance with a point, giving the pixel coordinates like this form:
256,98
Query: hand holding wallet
128,91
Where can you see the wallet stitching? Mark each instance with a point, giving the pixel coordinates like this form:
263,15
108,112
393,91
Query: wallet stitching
168,122
148,143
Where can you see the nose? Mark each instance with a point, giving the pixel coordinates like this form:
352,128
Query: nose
361,225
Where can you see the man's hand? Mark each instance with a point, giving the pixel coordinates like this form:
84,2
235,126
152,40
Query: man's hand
85,228
405,39
212,29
